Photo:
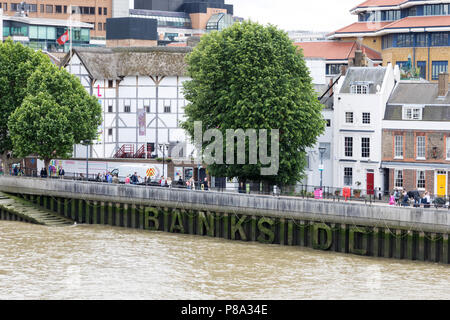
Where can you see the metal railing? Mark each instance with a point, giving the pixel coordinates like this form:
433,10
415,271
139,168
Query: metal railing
336,194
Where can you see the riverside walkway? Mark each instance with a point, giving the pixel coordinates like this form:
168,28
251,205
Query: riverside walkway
19,209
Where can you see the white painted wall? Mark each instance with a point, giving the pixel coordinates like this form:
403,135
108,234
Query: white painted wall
137,92
121,8
317,70
374,104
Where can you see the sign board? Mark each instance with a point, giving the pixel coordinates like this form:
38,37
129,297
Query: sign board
320,167
318,194
151,172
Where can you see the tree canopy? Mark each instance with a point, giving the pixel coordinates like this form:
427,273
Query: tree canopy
39,126
250,76
17,64
56,113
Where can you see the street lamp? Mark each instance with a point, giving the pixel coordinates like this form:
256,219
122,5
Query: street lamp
322,151
87,143
163,147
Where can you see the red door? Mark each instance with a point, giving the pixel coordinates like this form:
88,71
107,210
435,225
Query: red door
370,183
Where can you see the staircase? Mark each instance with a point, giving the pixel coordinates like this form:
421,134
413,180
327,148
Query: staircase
126,151
32,213
141,153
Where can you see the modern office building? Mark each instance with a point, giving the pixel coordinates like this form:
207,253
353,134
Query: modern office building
409,33
94,12
181,19
42,33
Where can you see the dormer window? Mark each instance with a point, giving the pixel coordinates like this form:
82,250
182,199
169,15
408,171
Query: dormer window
359,89
412,113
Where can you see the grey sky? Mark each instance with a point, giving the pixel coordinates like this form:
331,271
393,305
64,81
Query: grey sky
315,15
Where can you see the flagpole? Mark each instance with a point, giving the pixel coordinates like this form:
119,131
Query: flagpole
70,38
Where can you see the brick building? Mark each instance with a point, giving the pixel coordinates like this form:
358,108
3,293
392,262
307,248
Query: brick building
416,137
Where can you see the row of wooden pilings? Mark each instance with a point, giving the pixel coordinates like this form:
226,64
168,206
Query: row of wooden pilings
383,242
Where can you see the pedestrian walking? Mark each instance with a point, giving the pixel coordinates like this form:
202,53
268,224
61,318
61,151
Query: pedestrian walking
397,196
134,178
405,199
426,200
392,200
61,173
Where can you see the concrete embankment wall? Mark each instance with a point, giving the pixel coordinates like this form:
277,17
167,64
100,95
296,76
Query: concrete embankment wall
372,230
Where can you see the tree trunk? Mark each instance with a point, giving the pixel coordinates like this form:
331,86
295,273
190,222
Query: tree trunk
46,165
5,166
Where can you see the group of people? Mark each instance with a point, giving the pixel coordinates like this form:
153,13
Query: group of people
107,177
17,171
44,172
132,179
402,198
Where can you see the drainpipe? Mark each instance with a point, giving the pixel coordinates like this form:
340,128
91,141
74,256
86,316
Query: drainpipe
429,62
414,51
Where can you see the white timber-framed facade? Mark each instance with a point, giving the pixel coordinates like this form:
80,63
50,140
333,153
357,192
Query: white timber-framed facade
140,90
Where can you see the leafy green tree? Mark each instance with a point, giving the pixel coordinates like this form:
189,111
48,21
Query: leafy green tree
17,64
39,126
250,76
56,114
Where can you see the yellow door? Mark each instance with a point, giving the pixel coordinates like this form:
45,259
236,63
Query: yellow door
441,183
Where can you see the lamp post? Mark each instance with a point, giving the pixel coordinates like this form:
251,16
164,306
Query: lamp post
87,143
163,147
322,151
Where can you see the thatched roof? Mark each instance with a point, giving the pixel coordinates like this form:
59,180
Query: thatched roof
115,63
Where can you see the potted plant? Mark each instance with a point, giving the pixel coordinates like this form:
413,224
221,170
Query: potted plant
357,192
169,160
159,159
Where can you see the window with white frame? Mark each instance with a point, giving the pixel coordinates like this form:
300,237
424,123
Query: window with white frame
349,117
365,147
366,118
412,113
420,179
359,89
420,148
398,179
448,148
348,146
398,147
348,176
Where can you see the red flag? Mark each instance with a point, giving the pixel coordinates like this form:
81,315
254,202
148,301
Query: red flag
64,38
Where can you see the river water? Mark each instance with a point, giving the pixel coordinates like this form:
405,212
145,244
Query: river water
102,262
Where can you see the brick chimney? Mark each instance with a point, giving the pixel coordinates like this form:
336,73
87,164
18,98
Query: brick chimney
443,85
359,58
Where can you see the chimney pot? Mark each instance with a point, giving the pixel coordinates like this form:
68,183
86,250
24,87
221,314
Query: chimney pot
443,84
